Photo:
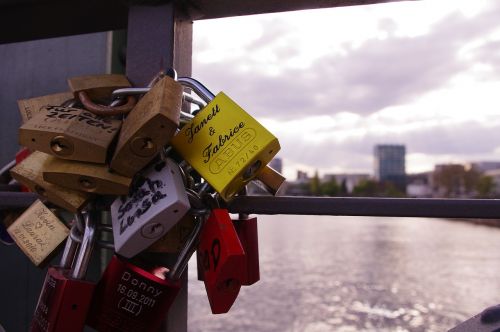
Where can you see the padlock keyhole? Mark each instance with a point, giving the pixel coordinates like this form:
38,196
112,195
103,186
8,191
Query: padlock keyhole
40,190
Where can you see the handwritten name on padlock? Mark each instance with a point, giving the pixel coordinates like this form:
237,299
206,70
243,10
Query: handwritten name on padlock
69,133
225,145
32,106
152,208
38,232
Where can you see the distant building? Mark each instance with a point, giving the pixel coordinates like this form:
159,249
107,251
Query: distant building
390,165
484,166
495,174
277,164
419,185
350,180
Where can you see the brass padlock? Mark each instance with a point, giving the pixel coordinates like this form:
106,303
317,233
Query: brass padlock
29,107
89,177
97,87
148,127
69,133
30,173
173,241
271,180
38,232
225,145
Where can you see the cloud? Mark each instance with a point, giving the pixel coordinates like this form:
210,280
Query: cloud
364,79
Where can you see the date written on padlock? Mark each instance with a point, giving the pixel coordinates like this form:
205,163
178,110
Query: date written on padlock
30,173
89,177
223,259
69,133
38,232
225,145
129,299
153,207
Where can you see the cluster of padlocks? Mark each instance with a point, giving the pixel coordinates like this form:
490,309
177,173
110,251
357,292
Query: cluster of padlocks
161,172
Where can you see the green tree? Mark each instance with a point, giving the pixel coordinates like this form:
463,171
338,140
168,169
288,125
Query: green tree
485,187
330,188
314,185
366,188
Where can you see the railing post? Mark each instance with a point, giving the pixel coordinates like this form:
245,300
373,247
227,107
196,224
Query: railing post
157,38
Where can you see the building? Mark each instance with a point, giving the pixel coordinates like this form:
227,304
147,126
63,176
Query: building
277,164
419,185
485,166
390,165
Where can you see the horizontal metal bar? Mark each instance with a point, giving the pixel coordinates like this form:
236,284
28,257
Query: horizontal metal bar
16,200
363,206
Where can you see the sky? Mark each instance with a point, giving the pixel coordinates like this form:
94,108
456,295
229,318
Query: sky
332,83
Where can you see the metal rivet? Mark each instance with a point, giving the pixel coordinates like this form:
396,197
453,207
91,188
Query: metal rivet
87,183
40,191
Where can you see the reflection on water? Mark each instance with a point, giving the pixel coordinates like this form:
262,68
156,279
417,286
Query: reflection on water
360,274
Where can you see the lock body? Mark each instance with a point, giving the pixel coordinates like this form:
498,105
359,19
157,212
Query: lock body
69,133
38,232
152,208
130,299
63,303
30,173
98,87
32,106
271,180
148,127
225,145
174,239
223,261
89,177
249,238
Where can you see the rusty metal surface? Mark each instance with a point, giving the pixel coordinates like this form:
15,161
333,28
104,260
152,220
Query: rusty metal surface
30,19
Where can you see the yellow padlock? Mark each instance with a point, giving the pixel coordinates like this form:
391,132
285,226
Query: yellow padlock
148,127
226,145
89,177
30,173
38,232
69,133
29,107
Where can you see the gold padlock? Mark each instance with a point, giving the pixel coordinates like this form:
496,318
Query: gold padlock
29,107
30,173
92,178
148,127
225,145
271,180
97,87
38,232
69,133
173,241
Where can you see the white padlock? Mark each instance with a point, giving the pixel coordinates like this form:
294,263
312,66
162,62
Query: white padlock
154,205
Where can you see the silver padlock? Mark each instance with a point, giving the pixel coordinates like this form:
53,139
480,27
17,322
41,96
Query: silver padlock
153,207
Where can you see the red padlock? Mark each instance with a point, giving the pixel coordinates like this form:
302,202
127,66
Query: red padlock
65,298
223,260
129,298
249,238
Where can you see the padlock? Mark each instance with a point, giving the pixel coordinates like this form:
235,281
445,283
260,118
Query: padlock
32,106
246,228
224,143
30,173
270,180
174,239
223,261
89,177
129,298
96,88
20,156
69,133
152,208
148,127
65,297
38,232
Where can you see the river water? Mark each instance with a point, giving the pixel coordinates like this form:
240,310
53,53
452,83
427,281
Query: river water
360,274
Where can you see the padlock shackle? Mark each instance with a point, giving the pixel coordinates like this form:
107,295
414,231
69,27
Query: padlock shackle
202,91
86,247
70,248
187,251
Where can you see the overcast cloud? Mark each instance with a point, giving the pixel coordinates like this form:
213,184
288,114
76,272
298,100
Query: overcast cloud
434,90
